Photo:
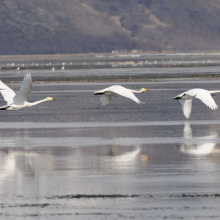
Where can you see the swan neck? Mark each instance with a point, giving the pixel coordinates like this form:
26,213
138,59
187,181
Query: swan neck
37,102
135,91
214,91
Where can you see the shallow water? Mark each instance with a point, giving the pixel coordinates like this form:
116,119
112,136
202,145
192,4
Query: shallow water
117,74
75,61
74,159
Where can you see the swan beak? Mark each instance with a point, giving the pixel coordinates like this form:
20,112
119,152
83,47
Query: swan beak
52,98
146,90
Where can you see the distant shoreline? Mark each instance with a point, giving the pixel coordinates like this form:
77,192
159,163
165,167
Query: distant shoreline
126,67
138,74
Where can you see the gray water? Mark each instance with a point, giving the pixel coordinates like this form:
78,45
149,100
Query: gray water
74,159
115,74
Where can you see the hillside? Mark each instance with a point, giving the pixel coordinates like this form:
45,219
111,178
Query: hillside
82,26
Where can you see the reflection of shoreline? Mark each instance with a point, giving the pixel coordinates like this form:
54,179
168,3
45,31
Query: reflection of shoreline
196,148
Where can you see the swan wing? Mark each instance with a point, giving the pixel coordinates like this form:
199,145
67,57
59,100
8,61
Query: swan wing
207,99
204,96
7,93
105,99
186,106
26,88
124,92
105,96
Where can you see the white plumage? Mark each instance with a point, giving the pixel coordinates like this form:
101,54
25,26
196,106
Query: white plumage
7,93
19,100
202,94
107,94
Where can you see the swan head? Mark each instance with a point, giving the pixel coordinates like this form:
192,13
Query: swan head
144,90
49,99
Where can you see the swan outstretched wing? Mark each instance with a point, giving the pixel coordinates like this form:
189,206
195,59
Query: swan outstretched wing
7,93
204,96
124,92
26,88
186,107
105,99
207,99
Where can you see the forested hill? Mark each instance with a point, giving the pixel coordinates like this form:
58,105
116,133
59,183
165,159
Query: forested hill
83,26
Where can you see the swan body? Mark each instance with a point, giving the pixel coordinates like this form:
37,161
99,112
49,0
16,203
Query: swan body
107,94
202,94
19,101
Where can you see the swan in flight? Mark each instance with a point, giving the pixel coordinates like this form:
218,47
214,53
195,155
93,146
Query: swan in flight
107,94
19,100
202,94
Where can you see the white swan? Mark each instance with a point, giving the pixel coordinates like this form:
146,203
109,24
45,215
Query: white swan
106,94
19,100
202,94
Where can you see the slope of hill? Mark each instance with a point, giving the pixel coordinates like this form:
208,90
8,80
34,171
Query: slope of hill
81,26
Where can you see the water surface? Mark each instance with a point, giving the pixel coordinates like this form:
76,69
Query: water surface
74,159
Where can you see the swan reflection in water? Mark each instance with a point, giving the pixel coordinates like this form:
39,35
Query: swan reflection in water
17,171
204,146
128,155
20,165
127,161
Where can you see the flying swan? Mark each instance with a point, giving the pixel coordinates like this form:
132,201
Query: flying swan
19,100
202,94
107,94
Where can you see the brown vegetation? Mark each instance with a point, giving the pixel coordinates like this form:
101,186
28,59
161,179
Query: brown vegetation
82,26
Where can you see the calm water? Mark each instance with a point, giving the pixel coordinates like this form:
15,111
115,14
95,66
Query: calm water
74,159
